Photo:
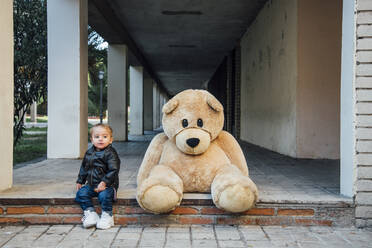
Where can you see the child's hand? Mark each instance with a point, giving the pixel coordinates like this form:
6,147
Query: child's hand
78,186
101,187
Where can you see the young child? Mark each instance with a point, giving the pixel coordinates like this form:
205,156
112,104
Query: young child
100,170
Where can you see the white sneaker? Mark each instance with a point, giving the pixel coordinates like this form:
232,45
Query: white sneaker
90,218
106,221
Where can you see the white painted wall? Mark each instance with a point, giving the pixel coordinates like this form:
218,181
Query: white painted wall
67,78
319,76
269,77
347,144
290,79
6,94
117,106
136,100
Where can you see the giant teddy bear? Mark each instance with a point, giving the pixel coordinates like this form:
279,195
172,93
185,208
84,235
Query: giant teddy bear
194,154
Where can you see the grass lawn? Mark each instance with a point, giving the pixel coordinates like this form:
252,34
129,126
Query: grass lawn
33,146
38,119
37,129
30,147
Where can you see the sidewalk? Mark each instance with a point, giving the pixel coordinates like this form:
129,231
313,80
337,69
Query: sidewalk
183,236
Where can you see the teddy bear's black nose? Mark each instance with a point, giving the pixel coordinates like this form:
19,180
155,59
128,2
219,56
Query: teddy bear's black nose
193,142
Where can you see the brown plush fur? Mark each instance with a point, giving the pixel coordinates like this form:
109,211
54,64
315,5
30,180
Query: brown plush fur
216,164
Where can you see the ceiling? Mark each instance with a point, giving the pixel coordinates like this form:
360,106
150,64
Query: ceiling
180,43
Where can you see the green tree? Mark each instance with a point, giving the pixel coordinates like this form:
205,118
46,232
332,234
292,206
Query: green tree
30,58
97,61
30,61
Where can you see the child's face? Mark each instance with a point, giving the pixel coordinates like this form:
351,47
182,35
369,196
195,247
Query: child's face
101,137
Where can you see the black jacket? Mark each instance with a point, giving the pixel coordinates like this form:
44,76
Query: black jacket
97,166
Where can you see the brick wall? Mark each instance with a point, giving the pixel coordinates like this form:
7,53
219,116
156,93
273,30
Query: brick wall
63,211
363,134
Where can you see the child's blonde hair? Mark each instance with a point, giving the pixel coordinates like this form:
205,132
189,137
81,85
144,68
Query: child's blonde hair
105,126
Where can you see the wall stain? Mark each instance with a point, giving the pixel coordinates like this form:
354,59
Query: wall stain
260,59
268,50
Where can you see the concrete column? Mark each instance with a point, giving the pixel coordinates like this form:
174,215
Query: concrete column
347,141
147,104
159,117
67,78
117,91
155,105
163,100
33,112
161,104
237,57
6,94
229,82
136,100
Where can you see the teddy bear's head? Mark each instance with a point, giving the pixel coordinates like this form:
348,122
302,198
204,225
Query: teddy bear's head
192,119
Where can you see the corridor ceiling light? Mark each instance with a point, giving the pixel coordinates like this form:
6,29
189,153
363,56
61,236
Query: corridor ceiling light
182,46
181,12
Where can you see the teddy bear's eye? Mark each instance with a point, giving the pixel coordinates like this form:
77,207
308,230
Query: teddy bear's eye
185,123
200,123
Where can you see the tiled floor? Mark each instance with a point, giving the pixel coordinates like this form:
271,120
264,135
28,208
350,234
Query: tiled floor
184,236
280,179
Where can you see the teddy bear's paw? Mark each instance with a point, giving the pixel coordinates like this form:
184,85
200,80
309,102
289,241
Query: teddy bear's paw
160,199
236,198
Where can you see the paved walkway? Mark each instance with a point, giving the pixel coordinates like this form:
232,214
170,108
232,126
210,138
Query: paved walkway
184,236
279,178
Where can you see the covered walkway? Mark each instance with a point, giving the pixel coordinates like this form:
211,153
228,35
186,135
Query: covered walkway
280,179
294,84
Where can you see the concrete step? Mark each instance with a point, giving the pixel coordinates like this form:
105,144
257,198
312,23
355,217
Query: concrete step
194,209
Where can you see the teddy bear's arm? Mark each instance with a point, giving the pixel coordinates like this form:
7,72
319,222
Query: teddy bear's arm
152,157
232,149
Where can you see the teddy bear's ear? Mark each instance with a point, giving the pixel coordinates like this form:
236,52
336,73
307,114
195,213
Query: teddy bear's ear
170,106
214,104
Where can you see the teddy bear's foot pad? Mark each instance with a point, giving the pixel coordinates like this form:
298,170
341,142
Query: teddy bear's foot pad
236,198
160,199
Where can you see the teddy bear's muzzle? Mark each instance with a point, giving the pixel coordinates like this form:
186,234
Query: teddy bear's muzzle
193,141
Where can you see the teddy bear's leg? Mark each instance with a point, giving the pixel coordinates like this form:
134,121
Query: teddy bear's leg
161,192
232,191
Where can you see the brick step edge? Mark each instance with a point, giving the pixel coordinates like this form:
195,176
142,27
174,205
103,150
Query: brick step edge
261,215
133,202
